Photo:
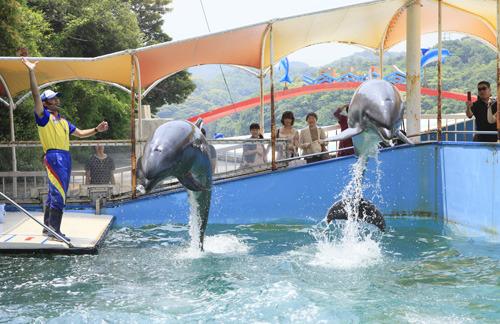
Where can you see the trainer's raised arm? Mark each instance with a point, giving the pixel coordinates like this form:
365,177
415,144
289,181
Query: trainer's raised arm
34,85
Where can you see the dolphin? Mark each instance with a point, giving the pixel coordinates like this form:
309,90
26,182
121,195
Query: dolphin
179,149
367,212
375,115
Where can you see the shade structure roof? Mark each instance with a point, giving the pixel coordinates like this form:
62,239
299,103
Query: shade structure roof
377,25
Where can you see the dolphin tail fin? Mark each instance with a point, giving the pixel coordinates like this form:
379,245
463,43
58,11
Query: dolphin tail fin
403,137
348,133
199,123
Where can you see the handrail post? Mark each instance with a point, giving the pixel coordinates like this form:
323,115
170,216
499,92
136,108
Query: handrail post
261,94
132,129
273,119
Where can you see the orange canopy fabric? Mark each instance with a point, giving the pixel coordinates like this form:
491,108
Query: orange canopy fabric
376,25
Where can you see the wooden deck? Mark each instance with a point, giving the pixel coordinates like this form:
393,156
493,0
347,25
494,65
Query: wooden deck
20,234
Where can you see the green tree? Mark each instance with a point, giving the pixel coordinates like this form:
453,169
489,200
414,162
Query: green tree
21,27
150,18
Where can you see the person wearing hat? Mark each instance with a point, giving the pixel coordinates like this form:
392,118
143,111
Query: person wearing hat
54,131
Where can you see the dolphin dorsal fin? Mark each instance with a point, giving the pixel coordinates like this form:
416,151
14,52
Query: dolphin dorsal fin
199,123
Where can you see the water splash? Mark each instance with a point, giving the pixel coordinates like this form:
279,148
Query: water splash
226,244
349,244
377,187
194,222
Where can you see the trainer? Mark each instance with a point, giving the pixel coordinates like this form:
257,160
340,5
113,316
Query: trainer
54,131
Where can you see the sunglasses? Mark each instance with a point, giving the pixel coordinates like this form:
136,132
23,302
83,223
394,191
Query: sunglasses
482,88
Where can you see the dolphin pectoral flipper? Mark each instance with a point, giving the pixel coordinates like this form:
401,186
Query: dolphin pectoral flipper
403,137
348,133
190,182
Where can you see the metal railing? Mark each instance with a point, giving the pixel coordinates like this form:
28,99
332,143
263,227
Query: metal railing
229,163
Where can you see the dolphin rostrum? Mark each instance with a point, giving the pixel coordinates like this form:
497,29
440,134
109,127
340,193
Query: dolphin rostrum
375,114
179,149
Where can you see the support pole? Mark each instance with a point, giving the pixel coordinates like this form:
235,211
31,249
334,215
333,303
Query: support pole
12,106
132,129
439,71
13,148
261,113
413,31
273,119
498,70
139,101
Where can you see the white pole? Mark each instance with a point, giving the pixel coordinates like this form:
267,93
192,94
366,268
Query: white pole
413,31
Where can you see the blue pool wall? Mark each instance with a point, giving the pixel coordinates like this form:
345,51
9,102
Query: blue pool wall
409,185
470,177
454,182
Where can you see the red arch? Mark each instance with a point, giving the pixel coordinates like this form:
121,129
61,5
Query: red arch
224,111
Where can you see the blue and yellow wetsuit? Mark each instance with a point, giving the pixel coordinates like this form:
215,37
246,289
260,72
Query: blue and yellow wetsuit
54,135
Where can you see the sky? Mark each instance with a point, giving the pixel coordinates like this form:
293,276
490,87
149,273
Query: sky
186,20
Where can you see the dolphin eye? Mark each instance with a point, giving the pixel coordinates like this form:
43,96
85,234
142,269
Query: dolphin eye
158,149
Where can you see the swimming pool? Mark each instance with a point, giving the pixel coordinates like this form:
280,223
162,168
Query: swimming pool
418,272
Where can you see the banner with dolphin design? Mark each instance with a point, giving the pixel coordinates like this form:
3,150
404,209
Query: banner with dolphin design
431,55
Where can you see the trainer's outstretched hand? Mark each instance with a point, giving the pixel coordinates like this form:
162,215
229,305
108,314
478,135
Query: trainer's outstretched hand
103,126
30,65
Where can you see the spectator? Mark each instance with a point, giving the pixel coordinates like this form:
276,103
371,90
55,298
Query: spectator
99,168
254,153
290,134
212,152
312,139
341,115
479,109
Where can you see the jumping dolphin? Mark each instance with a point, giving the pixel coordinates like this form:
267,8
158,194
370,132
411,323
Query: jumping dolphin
367,212
179,149
375,114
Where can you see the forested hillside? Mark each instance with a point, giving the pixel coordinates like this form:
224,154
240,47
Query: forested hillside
470,61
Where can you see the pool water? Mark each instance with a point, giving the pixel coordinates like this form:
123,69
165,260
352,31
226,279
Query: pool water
416,272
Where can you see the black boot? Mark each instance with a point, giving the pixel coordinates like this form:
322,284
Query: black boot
46,215
55,223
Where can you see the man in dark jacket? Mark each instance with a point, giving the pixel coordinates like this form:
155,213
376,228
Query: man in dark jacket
479,109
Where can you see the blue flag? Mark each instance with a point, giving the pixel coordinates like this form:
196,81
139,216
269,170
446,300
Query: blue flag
286,66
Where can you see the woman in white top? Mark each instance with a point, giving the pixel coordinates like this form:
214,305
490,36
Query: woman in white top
290,134
312,139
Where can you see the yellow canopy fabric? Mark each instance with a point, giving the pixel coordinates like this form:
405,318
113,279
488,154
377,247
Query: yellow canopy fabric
375,25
